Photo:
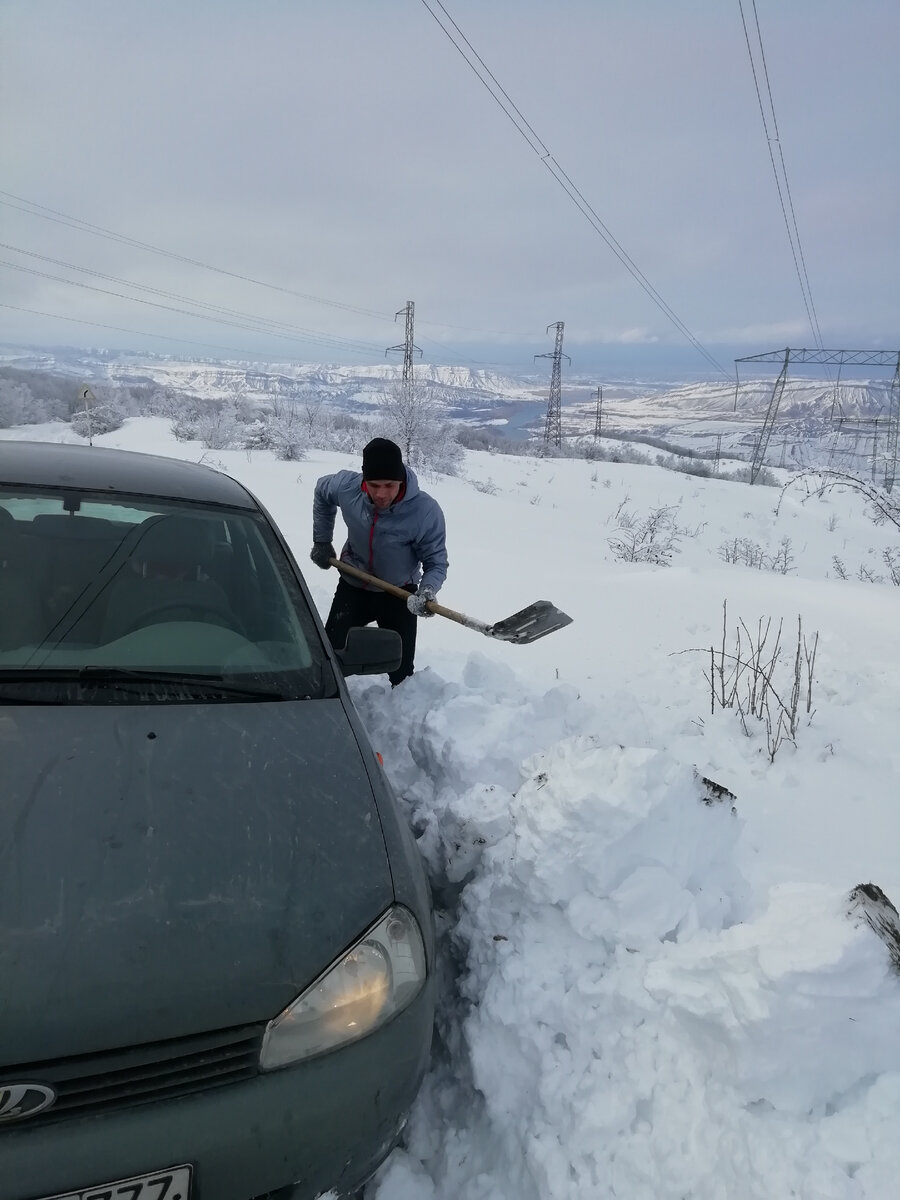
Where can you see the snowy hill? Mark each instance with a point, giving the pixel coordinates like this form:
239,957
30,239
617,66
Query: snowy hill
800,397
650,990
461,387
817,420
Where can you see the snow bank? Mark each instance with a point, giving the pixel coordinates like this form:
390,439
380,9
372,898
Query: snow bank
618,1019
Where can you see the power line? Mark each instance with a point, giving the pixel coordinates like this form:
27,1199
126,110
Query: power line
242,352
60,218
52,214
152,303
787,184
501,97
36,312
790,223
264,324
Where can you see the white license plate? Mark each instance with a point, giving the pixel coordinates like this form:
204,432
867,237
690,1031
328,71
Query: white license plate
171,1184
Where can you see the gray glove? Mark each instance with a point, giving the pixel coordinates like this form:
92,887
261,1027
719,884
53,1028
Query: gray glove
417,601
320,554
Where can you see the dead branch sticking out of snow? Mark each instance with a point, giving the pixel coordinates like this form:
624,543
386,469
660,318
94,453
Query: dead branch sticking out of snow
745,680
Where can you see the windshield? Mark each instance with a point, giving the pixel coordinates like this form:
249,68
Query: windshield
125,599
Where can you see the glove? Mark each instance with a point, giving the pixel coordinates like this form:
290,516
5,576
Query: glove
417,601
320,554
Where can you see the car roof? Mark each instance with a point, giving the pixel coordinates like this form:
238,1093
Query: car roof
100,469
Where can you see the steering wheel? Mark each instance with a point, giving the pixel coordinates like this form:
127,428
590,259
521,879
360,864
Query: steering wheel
183,610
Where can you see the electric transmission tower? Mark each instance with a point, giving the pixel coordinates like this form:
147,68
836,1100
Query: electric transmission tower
893,432
409,348
598,414
553,428
840,359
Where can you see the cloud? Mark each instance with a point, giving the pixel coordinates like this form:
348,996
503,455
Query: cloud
347,152
779,333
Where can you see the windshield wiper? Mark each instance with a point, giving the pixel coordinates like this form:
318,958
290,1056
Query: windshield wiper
130,678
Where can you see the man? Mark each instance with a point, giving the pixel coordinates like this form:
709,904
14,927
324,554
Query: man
394,531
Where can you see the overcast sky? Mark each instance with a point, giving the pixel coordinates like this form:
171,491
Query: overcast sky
344,150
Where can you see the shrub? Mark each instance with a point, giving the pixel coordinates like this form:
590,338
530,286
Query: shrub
750,680
652,539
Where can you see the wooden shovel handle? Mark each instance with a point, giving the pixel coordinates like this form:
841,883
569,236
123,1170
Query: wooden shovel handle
403,594
347,569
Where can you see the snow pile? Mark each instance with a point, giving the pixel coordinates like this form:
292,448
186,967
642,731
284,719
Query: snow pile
617,1021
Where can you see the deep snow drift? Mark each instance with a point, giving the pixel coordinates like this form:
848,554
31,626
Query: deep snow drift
648,991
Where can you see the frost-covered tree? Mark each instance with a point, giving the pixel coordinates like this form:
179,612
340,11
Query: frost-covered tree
15,403
101,409
412,416
98,418
313,416
279,427
212,422
220,427
32,397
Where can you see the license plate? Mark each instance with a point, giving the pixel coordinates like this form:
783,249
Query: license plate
171,1184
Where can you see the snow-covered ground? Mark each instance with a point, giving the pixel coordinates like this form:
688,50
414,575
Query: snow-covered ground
644,996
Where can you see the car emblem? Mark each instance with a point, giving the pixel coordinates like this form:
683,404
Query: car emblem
20,1100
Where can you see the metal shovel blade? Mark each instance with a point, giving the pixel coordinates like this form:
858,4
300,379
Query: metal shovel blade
533,622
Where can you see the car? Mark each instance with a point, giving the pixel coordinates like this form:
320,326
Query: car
216,936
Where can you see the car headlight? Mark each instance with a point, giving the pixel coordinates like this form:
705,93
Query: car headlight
377,978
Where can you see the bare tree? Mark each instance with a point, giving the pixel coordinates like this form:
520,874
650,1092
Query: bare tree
312,415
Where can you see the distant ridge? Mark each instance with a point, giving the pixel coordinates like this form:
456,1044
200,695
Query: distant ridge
465,391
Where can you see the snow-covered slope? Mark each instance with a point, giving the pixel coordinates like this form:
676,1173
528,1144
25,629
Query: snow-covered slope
818,398
462,387
814,412
644,996
264,380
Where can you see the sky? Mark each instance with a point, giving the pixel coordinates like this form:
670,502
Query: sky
642,996
347,154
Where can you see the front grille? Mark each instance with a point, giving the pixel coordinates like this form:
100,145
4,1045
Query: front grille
91,1083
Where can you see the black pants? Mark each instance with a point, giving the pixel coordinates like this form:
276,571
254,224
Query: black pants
354,606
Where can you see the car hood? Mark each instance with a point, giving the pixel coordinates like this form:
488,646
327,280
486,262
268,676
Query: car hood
178,868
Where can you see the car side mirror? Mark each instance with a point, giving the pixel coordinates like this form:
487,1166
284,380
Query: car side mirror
370,652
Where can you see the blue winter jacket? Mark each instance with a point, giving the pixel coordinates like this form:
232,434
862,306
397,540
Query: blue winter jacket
390,544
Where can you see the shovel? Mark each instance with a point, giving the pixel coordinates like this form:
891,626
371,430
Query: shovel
533,622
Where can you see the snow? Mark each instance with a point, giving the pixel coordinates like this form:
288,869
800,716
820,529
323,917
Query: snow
643,995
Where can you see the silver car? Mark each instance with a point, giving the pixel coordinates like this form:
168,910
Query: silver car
216,942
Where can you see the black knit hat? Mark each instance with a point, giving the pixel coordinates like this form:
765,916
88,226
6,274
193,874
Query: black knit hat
383,459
